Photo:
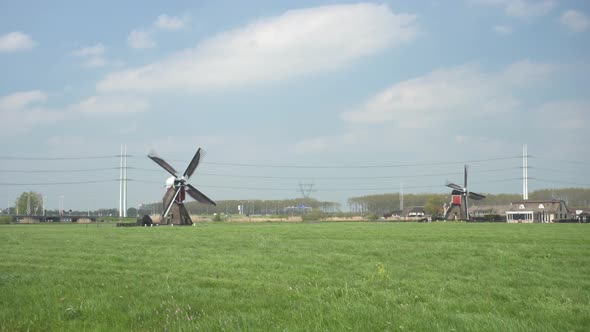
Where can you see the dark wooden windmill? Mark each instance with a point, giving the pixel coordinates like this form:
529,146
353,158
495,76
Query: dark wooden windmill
460,200
175,212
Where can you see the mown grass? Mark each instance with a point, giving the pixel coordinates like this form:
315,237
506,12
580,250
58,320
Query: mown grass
296,277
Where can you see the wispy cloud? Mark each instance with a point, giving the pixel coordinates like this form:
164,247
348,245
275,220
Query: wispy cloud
94,50
141,39
21,111
16,41
521,8
320,144
502,29
449,94
166,22
295,43
572,114
109,104
575,21
19,100
93,55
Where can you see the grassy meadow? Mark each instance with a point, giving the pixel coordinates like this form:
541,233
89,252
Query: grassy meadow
296,277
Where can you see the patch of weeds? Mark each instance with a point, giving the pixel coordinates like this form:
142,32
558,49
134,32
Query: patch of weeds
72,312
171,312
380,273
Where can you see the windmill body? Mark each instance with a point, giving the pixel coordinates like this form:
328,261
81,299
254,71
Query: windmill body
459,208
174,212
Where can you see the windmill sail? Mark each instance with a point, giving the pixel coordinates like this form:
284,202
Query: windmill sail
163,164
194,163
173,200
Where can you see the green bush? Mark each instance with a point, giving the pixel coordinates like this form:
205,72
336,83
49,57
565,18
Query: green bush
314,215
216,217
372,217
5,219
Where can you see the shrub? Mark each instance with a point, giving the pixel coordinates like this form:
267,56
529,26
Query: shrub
5,219
372,217
216,217
314,215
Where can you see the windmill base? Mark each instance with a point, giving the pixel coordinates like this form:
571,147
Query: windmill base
455,212
178,215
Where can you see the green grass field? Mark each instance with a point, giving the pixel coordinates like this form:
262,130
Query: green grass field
296,277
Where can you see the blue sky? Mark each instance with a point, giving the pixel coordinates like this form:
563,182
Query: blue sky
306,83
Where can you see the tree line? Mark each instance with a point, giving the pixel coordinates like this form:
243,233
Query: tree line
252,207
32,203
387,203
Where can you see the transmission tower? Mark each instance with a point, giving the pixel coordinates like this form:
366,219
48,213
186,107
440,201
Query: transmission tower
306,189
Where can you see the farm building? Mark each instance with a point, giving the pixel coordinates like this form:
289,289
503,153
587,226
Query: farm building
582,215
543,211
413,212
481,211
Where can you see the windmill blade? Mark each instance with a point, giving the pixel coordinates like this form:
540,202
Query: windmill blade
476,196
168,197
465,207
465,177
172,193
194,163
455,186
197,195
153,156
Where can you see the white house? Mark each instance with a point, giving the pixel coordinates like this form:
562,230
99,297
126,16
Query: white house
543,211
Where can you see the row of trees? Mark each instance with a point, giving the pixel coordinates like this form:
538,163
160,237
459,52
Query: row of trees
29,203
252,207
386,203
32,203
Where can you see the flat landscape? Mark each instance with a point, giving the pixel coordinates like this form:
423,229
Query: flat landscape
296,277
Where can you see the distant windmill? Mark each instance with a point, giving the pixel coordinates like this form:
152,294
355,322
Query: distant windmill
176,189
460,198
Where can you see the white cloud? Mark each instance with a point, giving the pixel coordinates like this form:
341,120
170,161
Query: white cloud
94,50
448,95
21,111
564,114
96,61
140,39
575,21
525,72
321,144
521,8
94,55
502,29
16,41
166,22
110,105
19,100
294,43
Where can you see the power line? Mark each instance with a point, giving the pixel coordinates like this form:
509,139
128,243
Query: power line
58,158
565,160
59,171
557,171
263,176
563,182
332,189
356,166
335,177
55,183
300,166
